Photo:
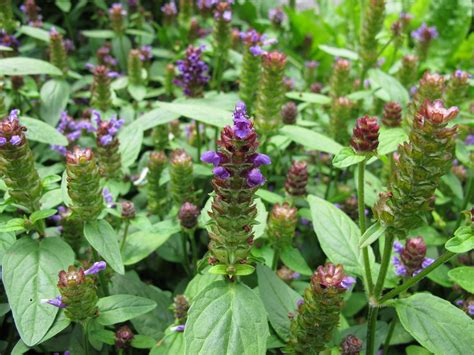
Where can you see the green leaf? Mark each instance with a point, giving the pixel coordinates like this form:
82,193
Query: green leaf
7,239
138,92
337,233
142,243
34,32
30,274
309,97
462,242
120,308
311,139
339,52
40,131
105,34
130,144
244,269
103,238
213,116
374,232
464,277
278,298
172,343
219,269
142,342
199,283
261,219
416,350
27,66
436,324
54,97
153,118
226,318
5,49
4,309
269,196
346,157
42,214
64,5
13,225
390,139
292,258
390,88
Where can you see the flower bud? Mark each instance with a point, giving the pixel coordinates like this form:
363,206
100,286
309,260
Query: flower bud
128,210
181,177
117,16
411,259
17,164
365,136
282,225
169,78
423,36
156,194
276,16
192,72
135,66
457,88
123,337
392,114
57,51
431,87
341,113
17,82
289,112
351,345
297,179
372,24
32,13
170,12
104,56
271,92
188,215
316,87
408,71
84,184
101,93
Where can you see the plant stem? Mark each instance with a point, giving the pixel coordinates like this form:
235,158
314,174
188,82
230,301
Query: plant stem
125,233
371,326
123,55
198,141
191,234
467,197
328,186
391,328
185,254
103,289
361,206
85,337
385,46
410,282
276,258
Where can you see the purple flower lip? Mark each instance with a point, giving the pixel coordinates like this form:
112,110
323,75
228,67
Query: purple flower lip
261,159
178,328
57,302
255,178
211,158
15,140
221,173
347,282
95,268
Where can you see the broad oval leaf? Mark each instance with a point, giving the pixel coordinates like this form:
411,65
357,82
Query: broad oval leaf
172,343
30,274
311,139
309,97
462,242
54,97
292,258
120,308
106,34
40,131
35,32
153,118
337,233
339,52
103,238
27,66
439,326
130,138
226,318
346,157
390,139
200,112
464,277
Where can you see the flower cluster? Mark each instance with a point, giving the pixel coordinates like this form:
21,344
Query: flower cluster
392,114
457,87
351,345
423,36
341,113
104,56
8,40
180,310
106,130
192,72
289,112
374,16
123,337
72,129
340,85
32,13
365,136
188,215
287,274
169,11
318,313
181,177
282,225
467,306
117,16
276,16
411,258
236,178
156,193
408,70
101,93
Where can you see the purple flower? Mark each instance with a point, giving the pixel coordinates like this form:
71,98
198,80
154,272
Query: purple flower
242,126
398,247
295,275
3,141
95,268
108,198
255,178
400,269
347,282
469,140
107,130
256,51
427,262
106,140
15,140
300,302
424,33
276,16
261,159
193,72
169,9
459,303
470,309
221,173
57,302
211,158
178,328
311,64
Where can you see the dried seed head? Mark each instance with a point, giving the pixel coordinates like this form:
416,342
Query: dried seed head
123,337
351,345
128,210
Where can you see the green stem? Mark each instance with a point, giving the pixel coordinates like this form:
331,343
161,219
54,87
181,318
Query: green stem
217,74
362,225
328,186
123,55
192,239
276,258
371,326
387,251
85,337
198,140
185,254
385,46
410,282
391,328
103,289
125,233
467,197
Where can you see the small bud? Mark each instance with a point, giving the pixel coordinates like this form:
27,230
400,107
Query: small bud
392,114
457,88
316,87
365,136
101,92
169,11
123,337
128,210
17,82
282,225
188,215
341,114
156,194
289,112
276,16
297,179
57,50
181,177
135,66
351,345
424,35
117,16
32,13
169,78
408,71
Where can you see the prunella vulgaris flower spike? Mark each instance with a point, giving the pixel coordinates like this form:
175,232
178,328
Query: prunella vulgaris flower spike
128,210
297,179
83,184
101,93
57,51
365,136
192,75
351,345
108,154
135,66
180,309
188,215
7,21
236,179
408,70
411,258
341,113
310,72
318,313
17,164
181,177
221,38
431,87
271,92
117,15
170,12
282,225
423,37
421,163
169,78
340,83
78,294
289,112
373,19
253,43
160,136
123,337
457,87
104,56
32,13
156,194
392,114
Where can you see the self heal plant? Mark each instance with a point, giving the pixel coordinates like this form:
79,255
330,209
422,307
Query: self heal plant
192,75
236,178
17,164
181,177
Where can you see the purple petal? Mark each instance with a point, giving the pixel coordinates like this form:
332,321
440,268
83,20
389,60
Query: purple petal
211,157
95,268
57,302
347,282
255,178
15,140
261,159
221,173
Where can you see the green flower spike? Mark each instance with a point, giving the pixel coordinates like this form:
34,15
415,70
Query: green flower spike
156,193
373,22
181,177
